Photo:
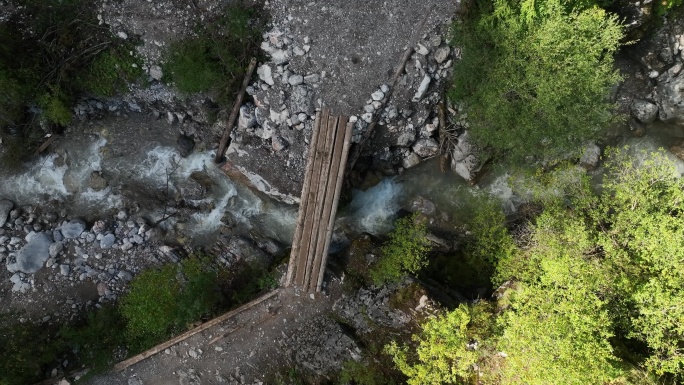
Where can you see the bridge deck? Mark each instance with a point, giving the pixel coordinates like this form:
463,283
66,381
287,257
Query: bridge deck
319,200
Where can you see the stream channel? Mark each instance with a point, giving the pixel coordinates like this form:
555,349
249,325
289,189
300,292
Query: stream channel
139,160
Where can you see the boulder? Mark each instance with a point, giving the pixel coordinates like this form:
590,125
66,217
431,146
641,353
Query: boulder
302,100
247,118
33,255
670,99
421,205
412,159
73,229
644,111
590,156
96,181
464,158
6,206
426,147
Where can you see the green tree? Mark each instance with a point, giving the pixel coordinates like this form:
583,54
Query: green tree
404,252
641,222
442,354
535,74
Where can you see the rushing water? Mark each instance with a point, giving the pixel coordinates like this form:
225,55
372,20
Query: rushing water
156,168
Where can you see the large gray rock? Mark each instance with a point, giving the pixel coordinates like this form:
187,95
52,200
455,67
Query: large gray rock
302,100
73,229
644,111
33,255
6,206
107,241
240,248
464,158
670,99
426,147
590,156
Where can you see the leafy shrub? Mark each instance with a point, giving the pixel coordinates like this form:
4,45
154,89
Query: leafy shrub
535,74
441,355
168,299
112,70
405,251
216,58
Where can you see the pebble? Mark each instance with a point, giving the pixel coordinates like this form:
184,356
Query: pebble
378,95
64,270
295,80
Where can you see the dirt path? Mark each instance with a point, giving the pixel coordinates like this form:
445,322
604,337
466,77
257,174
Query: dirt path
258,343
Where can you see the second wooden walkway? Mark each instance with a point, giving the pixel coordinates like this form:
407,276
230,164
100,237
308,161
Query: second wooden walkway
319,200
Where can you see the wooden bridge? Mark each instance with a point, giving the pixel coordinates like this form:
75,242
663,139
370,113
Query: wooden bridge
319,200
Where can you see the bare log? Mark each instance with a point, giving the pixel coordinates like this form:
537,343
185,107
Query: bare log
234,112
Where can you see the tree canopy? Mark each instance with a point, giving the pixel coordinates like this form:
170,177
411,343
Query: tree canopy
536,74
593,289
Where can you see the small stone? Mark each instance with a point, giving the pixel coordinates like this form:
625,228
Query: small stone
170,117
107,241
442,54
57,235
265,75
313,78
411,160
126,246
156,73
367,117
424,84
378,95
298,51
384,88
55,249
295,80
422,50
122,35
64,270
124,275
73,229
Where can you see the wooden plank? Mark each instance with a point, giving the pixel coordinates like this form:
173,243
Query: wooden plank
313,191
320,198
328,201
165,345
336,200
303,201
234,112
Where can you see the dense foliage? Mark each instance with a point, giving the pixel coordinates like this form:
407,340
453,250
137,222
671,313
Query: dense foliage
404,252
536,74
591,293
166,300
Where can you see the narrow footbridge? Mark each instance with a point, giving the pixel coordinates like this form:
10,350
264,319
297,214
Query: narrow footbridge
319,200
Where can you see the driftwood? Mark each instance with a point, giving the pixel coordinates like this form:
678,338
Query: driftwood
399,69
234,112
47,143
165,345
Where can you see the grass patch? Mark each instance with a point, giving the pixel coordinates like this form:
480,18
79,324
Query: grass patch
215,59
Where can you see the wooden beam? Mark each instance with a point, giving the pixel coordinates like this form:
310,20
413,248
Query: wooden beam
311,204
234,112
335,157
303,201
320,198
336,200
